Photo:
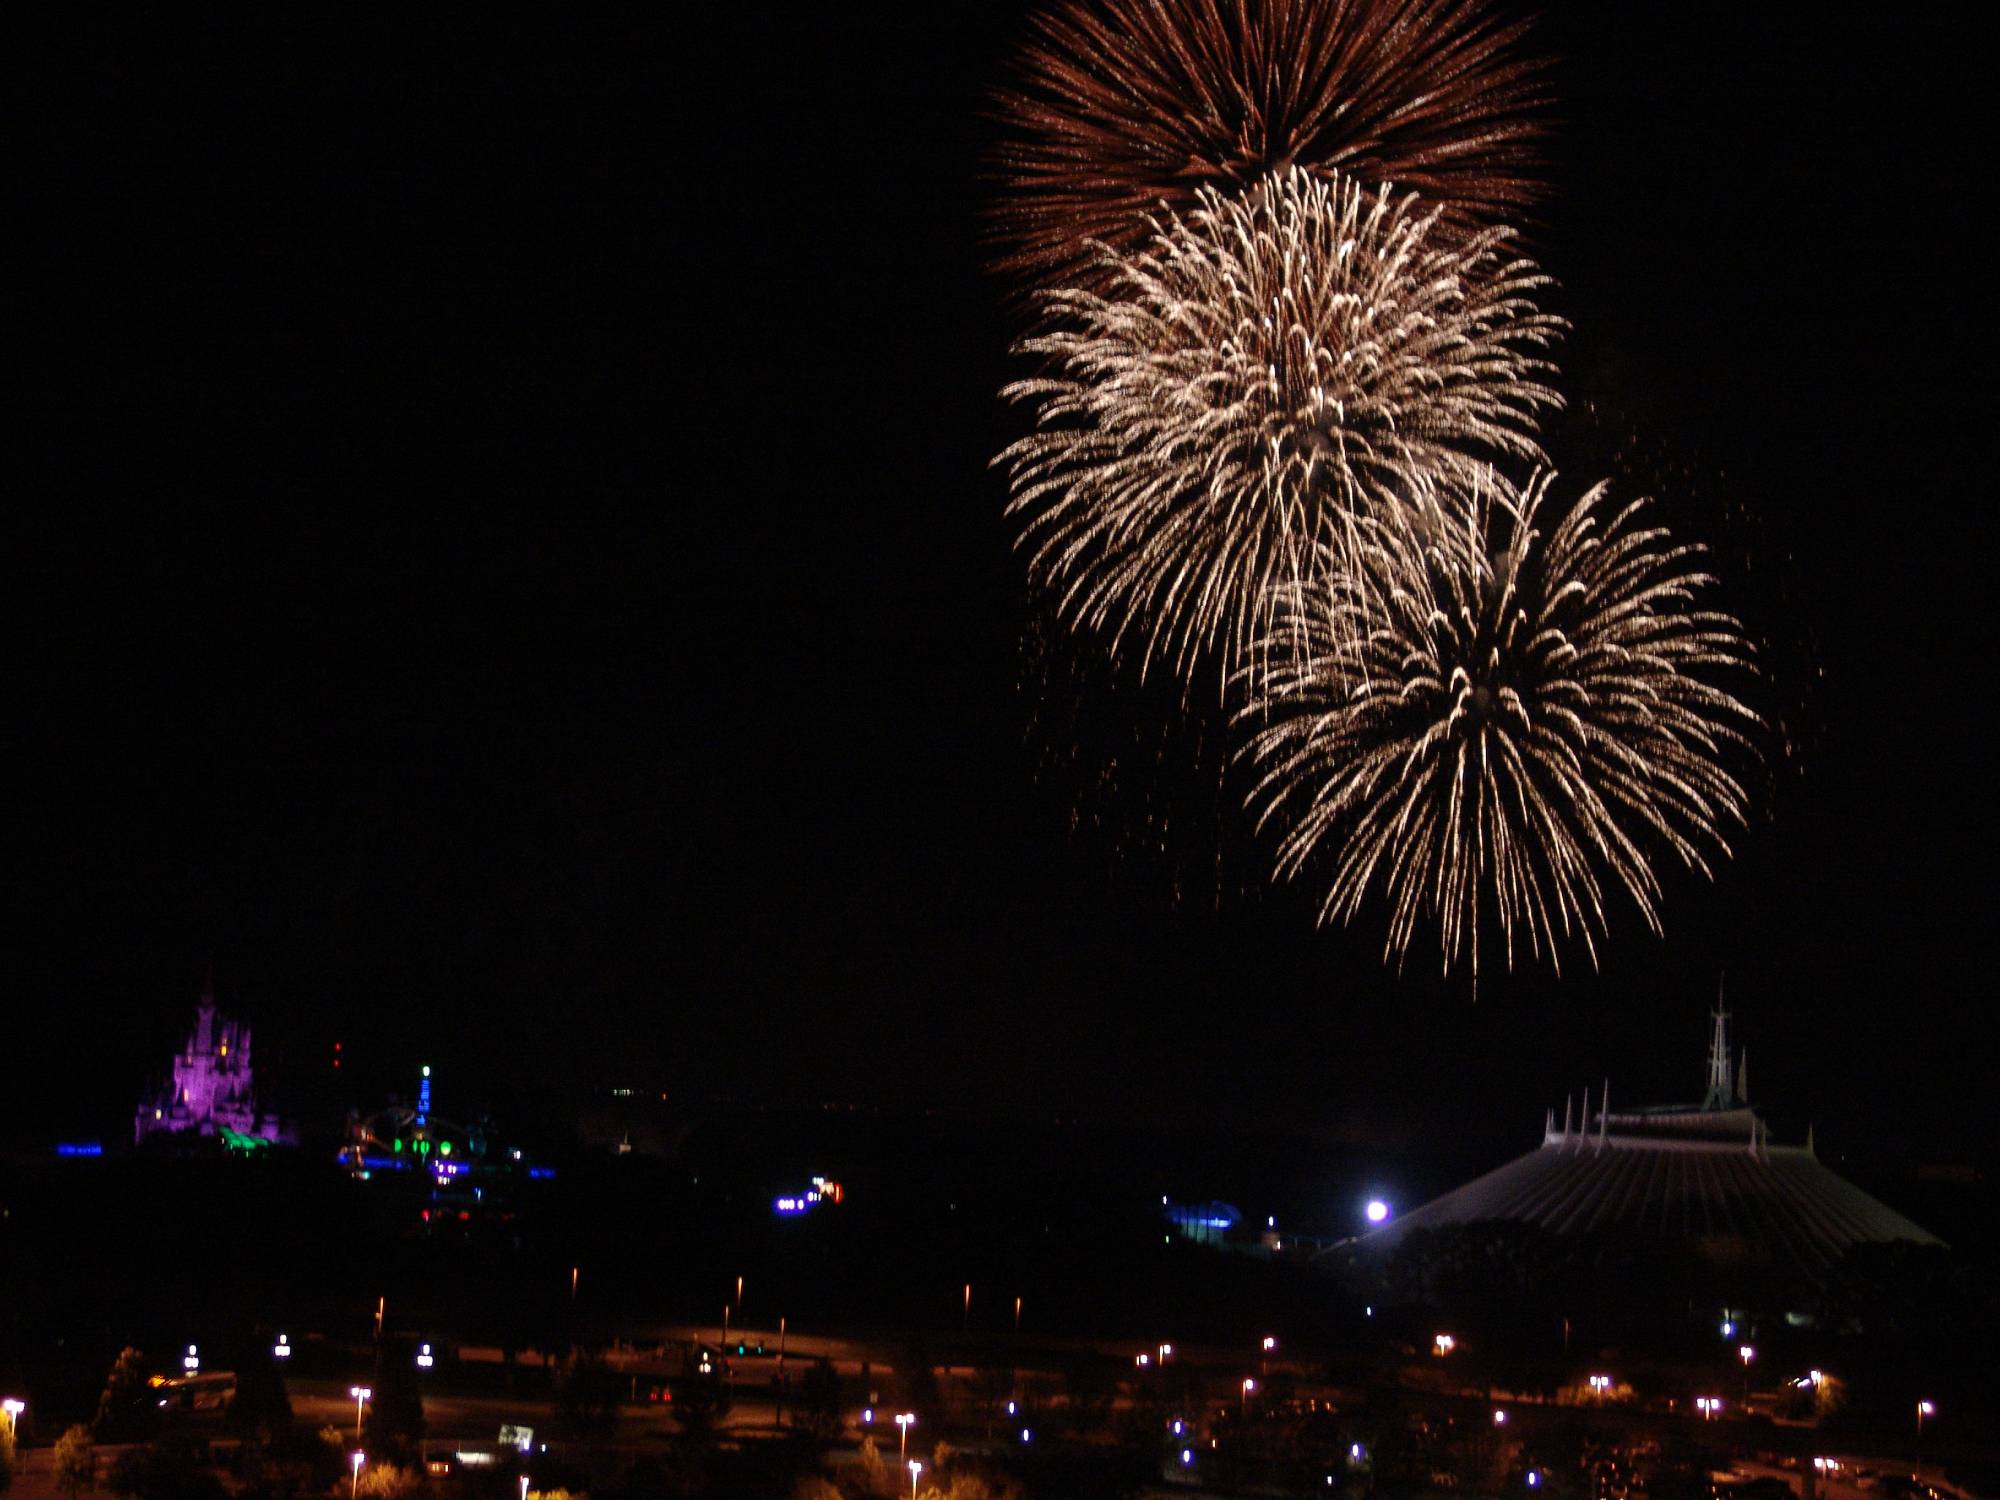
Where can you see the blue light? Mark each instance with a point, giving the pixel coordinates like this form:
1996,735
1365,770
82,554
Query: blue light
790,1205
1534,1479
1187,1458
541,1174
79,1148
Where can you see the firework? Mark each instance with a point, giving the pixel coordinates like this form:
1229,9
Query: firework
1484,718
1121,107
1273,364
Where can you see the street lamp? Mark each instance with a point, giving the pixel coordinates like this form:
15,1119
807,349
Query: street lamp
1924,1409
905,1420
1600,1384
916,1468
12,1408
1166,1352
1499,1418
1709,1406
1746,1353
354,1480
360,1393
1249,1385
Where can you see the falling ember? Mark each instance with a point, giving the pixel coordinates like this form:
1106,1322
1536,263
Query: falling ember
1490,708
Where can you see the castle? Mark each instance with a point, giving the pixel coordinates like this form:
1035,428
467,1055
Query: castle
211,1092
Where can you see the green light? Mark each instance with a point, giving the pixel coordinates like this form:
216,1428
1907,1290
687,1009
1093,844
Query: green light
444,1148
396,1144
423,1148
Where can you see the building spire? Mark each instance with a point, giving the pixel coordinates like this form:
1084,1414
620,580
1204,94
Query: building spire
1721,1090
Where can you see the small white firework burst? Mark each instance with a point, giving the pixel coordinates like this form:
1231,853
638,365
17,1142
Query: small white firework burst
1271,367
1492,709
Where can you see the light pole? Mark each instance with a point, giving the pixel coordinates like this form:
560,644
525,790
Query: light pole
965,1319
1924,1409
354,1479
905,1420
1746,1353
12,1408
1599,1385
1709,1405
1270,1343
916,1468
360,1393
1249,1385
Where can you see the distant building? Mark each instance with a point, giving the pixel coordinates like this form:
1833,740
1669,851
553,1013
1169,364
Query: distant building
1705,1175
212,1091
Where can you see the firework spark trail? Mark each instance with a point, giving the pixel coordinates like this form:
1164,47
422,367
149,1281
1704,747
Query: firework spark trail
1486,711
1123,107
1272,366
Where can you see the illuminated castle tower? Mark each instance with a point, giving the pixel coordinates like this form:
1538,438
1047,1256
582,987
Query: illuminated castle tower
211,1091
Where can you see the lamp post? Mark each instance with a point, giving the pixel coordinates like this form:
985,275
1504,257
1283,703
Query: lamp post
1264,1367
905,1420
12,1408
360,1393
1924,1409
916,1468
354,1479
1709,1406
1249,1385
1746,1353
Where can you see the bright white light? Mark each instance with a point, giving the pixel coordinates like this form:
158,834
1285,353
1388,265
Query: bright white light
1499,1419
1534,1479
1377,1210
1187,1458
1026,1436
1927,1408
1270,1344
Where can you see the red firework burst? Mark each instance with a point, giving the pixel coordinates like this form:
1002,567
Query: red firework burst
1121,106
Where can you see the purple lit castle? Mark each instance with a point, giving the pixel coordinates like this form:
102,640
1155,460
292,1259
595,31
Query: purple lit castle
211,1092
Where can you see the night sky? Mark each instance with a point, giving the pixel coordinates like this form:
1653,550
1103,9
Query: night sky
507,569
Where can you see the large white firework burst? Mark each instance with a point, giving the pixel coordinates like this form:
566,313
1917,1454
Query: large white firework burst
1493,708
1269,367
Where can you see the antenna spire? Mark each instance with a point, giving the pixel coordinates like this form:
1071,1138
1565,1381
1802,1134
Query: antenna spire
1721,1088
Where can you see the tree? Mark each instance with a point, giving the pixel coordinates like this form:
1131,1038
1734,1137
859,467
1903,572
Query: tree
76,1461
262,1407
163,1471
817,1414
119,1412
395,1420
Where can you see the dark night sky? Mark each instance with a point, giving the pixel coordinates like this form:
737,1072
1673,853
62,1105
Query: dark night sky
507,567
